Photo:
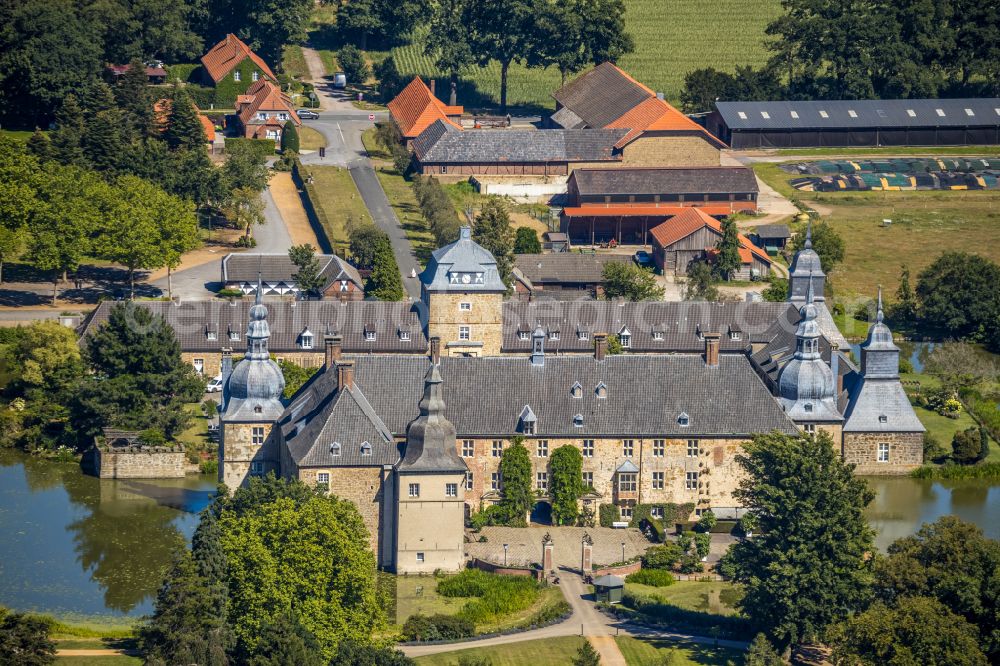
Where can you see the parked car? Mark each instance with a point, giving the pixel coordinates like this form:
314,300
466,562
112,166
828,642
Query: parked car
642,258
340,80
307,114
214,385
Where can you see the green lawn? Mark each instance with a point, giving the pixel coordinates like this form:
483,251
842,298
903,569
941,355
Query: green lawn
672,38
375,150
310,139
337,202
639,652
116,660
548,652
404,202
716,597
21,136
293,62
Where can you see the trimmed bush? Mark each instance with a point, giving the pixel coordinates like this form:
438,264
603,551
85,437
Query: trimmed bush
653,577
188,72
436,628
608,515
202,96
290,138
662,557
264,147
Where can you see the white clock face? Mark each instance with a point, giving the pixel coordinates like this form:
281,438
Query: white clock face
466,279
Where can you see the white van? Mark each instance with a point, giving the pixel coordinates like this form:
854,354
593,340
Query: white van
340,80
215,385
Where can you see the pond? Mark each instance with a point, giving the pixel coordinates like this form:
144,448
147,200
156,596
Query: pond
80,547
916,352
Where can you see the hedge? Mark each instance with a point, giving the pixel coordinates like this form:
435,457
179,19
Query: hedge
264,147
437,627
652,577
608,515
188,72
204,98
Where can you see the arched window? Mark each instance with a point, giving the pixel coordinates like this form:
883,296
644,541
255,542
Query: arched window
335,449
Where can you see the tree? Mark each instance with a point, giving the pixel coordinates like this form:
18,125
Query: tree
526,241
949,560
177,232
295,376
558,38
244,168
19,174
307,278
284,543
352,62
566,484
777,290
448,39
762,653
133,98
390,81
826,242
289,138
284,640
364,241
505,40
183,128
102,140
244,208
728,261
515,475
604,30
700,286
586,655
965,446
904,310
961,366
353,653
958,296
68,134
492,231
624,279
703,87
919,630
40,145
810,565
384,282
186,627
24,639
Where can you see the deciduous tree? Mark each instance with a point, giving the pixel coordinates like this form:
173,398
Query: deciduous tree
526,241
700,283
492,231
24,639
515,475
505,40
448,38
364,240
307,278
958,296
565,484
352,62
826,242
624,279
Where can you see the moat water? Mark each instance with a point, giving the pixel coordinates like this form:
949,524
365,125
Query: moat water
82,548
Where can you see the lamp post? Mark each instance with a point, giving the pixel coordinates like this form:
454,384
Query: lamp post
623,551
505,554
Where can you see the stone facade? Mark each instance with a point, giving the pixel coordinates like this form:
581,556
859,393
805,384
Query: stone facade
906,452
666,150
136,462
240,456
481,313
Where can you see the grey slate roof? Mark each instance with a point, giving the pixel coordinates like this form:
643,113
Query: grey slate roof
566,119
453,146
601,95
872,399
485,396
430,439
680,323
449,265
287,321
773,231
871,113
277,267
651,181
565,267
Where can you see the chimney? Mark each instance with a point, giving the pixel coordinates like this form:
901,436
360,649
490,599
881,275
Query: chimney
227,364
435,350
538,346
453,100
333,349
660,96
465,232
600,346
838,381
345,374
432,87
712,349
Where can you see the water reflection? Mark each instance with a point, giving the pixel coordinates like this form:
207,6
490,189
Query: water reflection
902,505
80,545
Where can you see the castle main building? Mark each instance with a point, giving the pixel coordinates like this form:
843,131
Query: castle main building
415,440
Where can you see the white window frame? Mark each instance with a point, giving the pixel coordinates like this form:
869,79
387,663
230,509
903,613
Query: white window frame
523,335
588,448
464,333
420,558
495,480
236,75
882,452
413,490
542,449
323,478
468,480
656,512
691,481
497,448
369,336
404,336
199,365
553,335
335,449
468,448
628,447
307,341
588,479
659,448
255,75
693,447
366,449
625,511
628,482
542,480
257,435
465,306
451,490
658,480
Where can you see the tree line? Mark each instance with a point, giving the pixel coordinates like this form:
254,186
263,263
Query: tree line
50,49
866,49
566,34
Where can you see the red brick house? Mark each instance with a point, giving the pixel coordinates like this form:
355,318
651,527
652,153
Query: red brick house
227,58
263,111
416,108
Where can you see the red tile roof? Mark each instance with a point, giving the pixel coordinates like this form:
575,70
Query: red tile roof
653,210
227,54
655,115
264,96
416,108
209,127
691,220
161,116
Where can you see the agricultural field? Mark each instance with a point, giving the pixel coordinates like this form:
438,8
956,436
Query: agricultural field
672,38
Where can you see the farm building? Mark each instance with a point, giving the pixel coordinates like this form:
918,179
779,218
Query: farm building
772,237
658,134
624,204
443,149
416,108
276,272
896,122
561,275
692,236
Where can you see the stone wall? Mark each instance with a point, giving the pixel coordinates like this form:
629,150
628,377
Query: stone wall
237,452
485,322
622,570
906,452
651,150
137,463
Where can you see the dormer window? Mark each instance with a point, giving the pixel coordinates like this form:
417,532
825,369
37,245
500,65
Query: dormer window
527,420
576,390
578,421
366,449
882,418
625,338
658,335
306,339
601,390
808,407
211,334
234,334
553,335
335,449
683,420
582,335
523,335
369,336
404,335
261,115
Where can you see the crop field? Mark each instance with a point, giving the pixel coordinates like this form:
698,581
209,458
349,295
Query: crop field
672,37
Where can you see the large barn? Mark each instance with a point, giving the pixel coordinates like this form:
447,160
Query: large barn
885,122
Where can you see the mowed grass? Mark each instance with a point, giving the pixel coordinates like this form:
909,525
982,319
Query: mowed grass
715,597
548,652
310,139
109,660
338,198
293,62
671,38
403,201
652,652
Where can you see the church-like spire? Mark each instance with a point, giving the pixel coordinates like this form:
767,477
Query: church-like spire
430,439
258,331
879,316
809,235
